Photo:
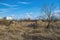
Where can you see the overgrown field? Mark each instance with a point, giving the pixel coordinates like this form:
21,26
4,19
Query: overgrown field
25,31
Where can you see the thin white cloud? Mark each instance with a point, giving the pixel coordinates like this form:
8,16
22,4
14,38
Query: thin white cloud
57,13
7,10
29,15
3,10
24,2
9,5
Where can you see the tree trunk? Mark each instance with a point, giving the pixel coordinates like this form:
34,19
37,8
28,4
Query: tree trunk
48,24
35,25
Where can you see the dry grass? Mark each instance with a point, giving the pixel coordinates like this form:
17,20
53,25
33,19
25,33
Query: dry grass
20,31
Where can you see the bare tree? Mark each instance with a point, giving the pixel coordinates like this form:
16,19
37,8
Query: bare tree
48,10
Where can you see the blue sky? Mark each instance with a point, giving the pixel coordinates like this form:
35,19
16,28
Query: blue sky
24,8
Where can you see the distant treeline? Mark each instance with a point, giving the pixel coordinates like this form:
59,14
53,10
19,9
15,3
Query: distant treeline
8,22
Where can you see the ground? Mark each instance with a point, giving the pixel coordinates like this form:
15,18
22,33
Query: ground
21,31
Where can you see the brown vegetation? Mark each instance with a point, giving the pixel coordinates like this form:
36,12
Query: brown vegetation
23,31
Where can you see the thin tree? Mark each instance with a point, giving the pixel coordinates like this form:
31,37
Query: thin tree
48,10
